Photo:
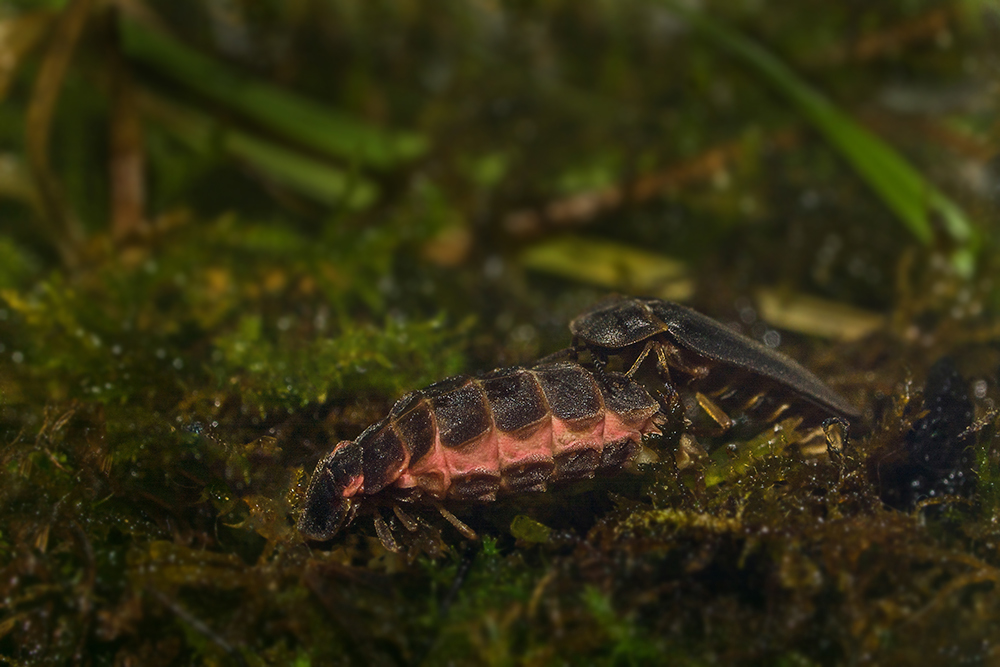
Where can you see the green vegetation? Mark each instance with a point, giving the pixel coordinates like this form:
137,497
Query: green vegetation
233,234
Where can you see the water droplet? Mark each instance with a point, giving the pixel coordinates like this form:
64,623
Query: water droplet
978,389
809,199
493,268
17,357
523,333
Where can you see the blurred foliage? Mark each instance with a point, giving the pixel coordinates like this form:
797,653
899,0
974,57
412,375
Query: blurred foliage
233,233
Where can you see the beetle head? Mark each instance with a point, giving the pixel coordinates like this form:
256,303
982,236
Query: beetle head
329,504
616,323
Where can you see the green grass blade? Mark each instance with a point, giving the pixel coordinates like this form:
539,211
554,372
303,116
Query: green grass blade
611,266
901,187
292,169
322,129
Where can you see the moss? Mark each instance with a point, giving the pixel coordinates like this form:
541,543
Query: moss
166,390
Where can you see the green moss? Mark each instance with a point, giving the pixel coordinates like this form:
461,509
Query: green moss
166,390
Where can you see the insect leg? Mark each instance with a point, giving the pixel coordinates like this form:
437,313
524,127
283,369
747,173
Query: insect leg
456,522
663,351
714,411
650,344
384,534
668,355
780,410
404,518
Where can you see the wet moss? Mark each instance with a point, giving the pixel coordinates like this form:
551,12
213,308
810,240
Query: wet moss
168,381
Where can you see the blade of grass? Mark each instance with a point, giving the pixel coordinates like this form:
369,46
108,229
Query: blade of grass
810,315
19,35
313,125
901,187
299,172
612,266
60,222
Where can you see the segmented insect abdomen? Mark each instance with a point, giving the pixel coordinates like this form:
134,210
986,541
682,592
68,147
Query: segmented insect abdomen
511,430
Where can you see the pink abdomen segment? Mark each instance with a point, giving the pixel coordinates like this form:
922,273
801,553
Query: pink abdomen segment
511,430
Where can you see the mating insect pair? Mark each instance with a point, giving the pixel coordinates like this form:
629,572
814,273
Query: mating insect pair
517,430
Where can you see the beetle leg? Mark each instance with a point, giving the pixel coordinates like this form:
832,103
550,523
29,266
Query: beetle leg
773,417
814,443
670,355
753,401
405,518
663,361
384,534
714,411
650,344
456,522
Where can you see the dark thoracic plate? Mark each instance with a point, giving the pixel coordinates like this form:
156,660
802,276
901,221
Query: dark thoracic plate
570,390
615,324
461,413
516,399
627,398
344,464
416,428
382,453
